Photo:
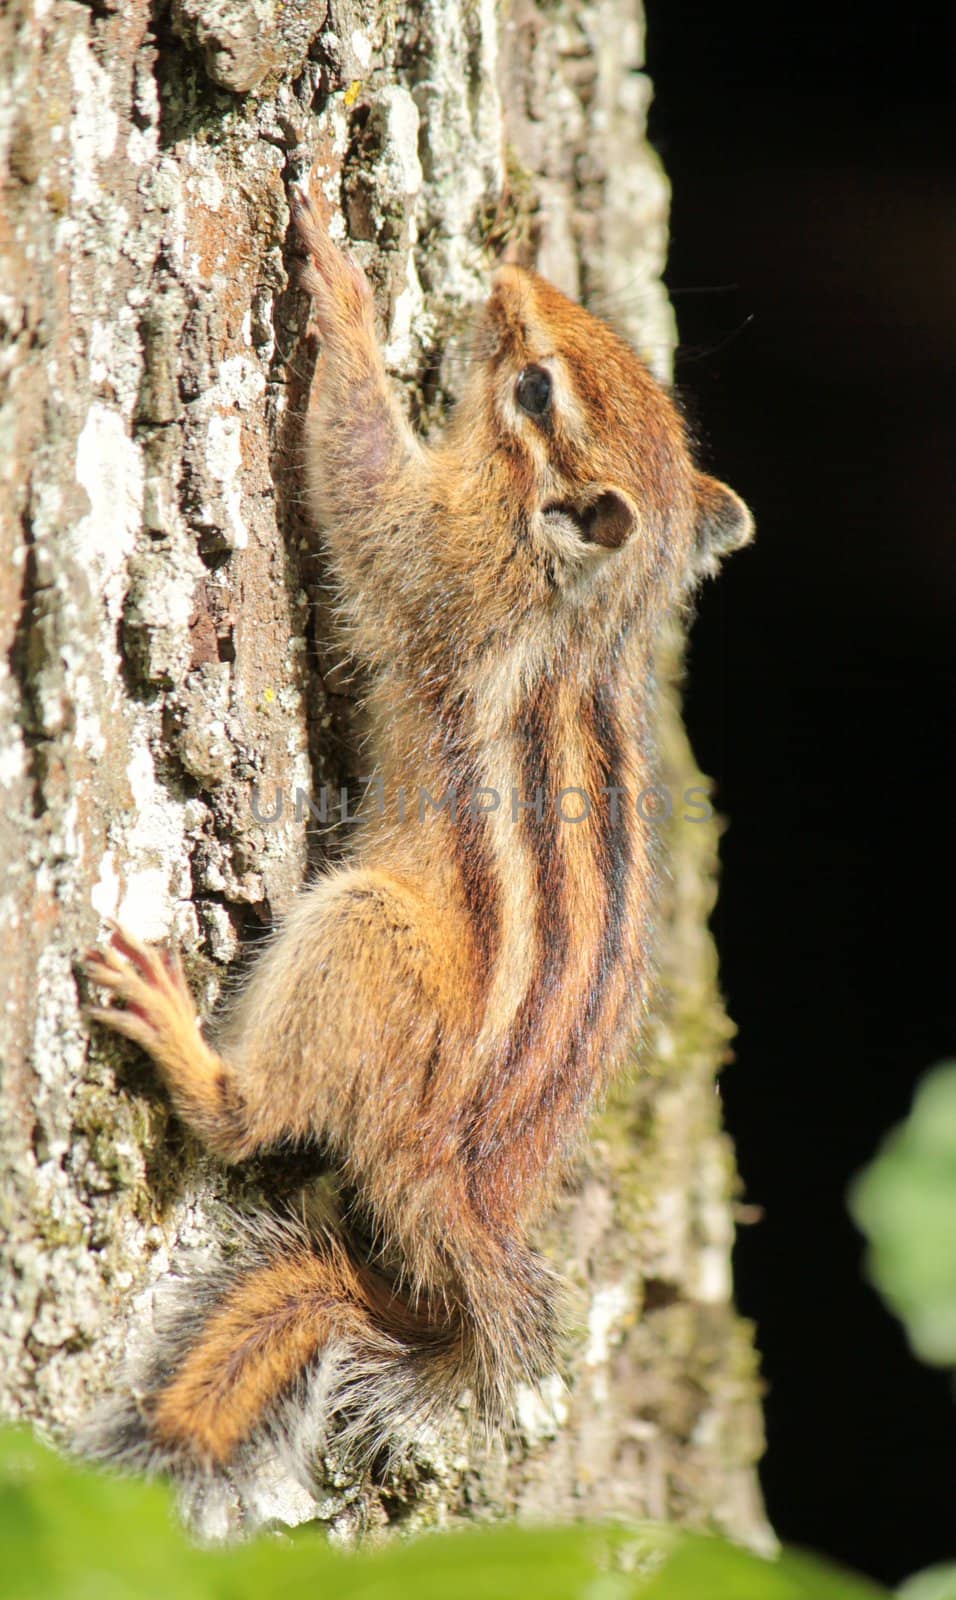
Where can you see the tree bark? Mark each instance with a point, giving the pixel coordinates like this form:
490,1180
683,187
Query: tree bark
165,655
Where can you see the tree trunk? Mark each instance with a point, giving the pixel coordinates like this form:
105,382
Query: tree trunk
166,660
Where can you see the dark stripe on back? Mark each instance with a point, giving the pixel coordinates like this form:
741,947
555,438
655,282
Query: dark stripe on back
535,733
473,855
568,1087
570,1080
536,736
614,843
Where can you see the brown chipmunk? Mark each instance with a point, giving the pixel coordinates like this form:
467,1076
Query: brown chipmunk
441,1011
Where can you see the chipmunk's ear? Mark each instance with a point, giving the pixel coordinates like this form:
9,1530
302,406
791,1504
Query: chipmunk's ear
604,518
609,521
723,524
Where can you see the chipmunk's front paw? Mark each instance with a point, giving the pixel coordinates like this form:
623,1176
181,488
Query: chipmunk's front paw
154,1006
341,297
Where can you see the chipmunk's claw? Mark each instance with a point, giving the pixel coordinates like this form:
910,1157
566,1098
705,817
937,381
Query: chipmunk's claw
148,984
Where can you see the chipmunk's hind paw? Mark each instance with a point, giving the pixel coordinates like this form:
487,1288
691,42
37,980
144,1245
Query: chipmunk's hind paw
152,1000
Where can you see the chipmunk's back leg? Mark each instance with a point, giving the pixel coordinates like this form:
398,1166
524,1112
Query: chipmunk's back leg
336,1034
333,1030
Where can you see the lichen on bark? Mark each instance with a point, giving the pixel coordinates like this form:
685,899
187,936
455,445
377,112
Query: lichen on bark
166,653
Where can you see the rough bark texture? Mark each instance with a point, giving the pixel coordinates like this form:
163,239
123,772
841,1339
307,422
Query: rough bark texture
165,648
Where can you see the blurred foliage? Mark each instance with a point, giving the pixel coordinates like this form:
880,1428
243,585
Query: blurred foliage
905,1204
69,1532
936,1583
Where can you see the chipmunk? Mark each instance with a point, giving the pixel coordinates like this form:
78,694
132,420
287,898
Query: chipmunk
440,1011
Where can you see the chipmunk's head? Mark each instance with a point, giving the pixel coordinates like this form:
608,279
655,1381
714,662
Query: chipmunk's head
594,449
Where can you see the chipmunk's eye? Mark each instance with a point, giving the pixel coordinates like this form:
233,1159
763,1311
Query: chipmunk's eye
533,391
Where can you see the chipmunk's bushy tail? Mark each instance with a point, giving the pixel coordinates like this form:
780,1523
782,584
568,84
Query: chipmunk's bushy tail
304,1340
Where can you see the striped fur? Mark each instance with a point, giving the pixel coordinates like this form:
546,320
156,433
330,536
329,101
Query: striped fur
441,1010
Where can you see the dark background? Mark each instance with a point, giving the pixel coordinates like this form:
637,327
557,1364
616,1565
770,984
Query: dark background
812,161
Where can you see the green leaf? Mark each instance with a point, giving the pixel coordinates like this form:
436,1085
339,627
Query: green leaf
76,1534
495,1563
905,1205
936,1583
703,1568
71,1533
